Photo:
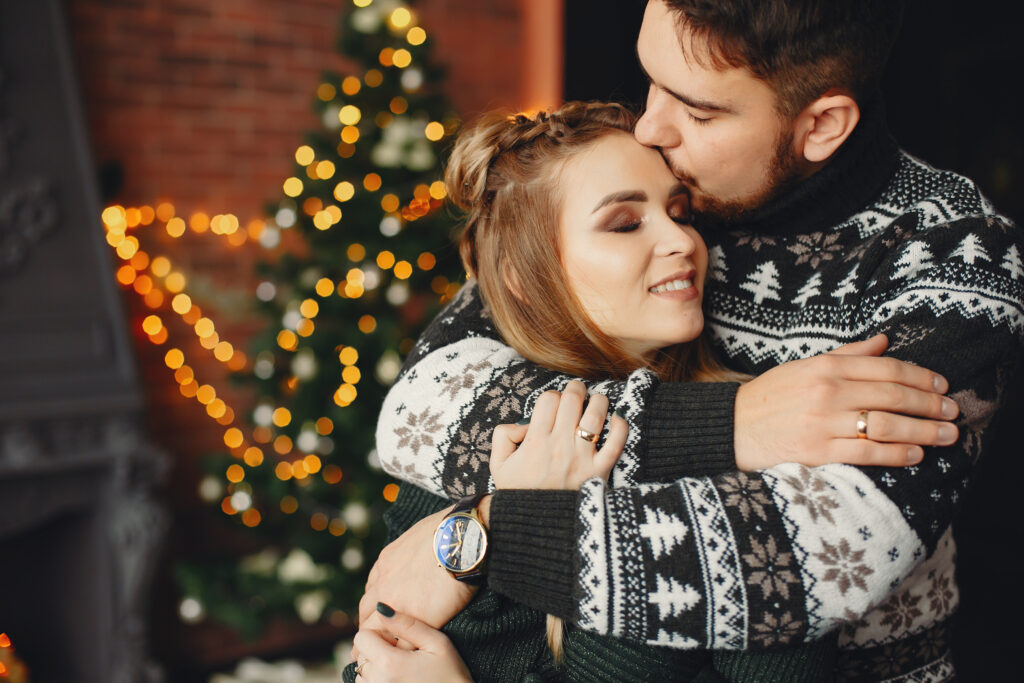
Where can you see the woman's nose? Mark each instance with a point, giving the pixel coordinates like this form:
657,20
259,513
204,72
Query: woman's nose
674,239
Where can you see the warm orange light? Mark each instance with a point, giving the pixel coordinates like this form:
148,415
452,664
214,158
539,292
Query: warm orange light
189,389
199,222
403,269
253,456
348,355
367,324
312,463
227,418
309,308
227,507
233,438
391,492
351,85
287,340
416,36
318,521
325,169
349,115
174,359
209,343
389,203
312,205
355,252
324,287
324,426
143,285
184,375
305,327
193,314
237,361
345,394
283,471
181,304
165,211
281,417
292,187
345,150
400,18
299,470
337,527
160,266
344,191
386,56
439,284
349,135
255,228
223,351
127,248
326,93
398,105
351,374
262,434
204,327
373,78
251,517
146,215
160,337
372,182
401,58
132,217
140,261
175,227
434,131
5,640
217,408
438,190
126,275
174,282
154,298
205,394
332,474
283,444
152,324
426,261
235,474
115,239
385,260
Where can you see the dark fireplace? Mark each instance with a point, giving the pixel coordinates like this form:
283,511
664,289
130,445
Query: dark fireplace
79,529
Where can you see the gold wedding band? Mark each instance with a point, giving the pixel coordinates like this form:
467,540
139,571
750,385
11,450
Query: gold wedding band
586,436
862,424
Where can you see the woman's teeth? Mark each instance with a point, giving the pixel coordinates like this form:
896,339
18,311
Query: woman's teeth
671,286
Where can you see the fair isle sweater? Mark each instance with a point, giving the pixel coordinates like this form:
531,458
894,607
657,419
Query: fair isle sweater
877,242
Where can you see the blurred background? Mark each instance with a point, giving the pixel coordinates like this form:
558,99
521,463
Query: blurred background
221,229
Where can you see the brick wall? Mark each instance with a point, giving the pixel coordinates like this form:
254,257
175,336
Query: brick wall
202,103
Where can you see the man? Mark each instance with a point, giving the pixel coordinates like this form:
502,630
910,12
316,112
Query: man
822,232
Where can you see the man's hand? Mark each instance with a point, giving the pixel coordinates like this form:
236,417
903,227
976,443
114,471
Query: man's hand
806,411
407,577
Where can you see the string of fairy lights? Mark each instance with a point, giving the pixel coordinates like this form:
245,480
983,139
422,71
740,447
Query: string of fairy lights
164,289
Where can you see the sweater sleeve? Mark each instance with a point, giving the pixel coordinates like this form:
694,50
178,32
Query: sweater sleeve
461,381
755,560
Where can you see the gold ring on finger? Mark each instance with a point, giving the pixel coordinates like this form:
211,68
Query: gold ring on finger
587,436
862,424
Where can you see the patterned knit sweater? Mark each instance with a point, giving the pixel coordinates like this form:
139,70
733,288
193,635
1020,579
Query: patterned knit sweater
875,242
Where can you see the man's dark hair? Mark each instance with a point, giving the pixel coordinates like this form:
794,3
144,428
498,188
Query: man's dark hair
801,48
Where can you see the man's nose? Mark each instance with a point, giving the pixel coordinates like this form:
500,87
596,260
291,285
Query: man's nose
655,129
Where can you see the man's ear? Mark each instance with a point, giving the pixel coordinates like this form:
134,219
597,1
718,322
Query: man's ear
825,124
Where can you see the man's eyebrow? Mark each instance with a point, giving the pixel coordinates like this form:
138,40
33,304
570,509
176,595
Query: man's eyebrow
679,189
703,105
619,197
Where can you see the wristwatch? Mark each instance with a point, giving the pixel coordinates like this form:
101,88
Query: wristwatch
460,542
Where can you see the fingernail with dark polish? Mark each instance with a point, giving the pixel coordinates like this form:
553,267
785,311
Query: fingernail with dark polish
619,415
524,421
385,609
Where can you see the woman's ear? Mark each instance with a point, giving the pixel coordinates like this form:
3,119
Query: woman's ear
511,279
825,124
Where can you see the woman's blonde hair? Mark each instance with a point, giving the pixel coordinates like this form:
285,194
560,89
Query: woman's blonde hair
504,174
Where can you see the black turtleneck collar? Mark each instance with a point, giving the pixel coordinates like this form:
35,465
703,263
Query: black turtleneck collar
847,184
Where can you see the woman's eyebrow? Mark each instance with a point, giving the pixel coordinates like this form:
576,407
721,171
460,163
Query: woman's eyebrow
618,197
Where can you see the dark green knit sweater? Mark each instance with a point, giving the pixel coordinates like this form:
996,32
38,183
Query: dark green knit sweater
504,642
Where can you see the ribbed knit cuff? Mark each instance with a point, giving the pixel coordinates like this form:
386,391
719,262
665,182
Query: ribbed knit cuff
689,430
532,549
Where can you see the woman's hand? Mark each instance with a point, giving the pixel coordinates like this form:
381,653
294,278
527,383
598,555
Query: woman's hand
424,653
808,411
549,453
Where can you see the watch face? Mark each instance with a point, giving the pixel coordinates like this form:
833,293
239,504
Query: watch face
460,543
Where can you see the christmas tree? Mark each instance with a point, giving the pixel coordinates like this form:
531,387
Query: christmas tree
368,263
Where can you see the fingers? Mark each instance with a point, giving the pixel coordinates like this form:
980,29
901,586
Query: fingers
867,452
409,629
900,429
570,407
374,646
888,370
504,442
608,455
873,346
545,408
898,398
594,415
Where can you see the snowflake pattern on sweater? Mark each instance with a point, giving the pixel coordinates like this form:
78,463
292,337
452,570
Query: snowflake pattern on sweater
766,558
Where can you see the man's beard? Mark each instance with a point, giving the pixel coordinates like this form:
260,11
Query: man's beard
783,174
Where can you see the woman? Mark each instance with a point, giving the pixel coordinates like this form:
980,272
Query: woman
580,242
